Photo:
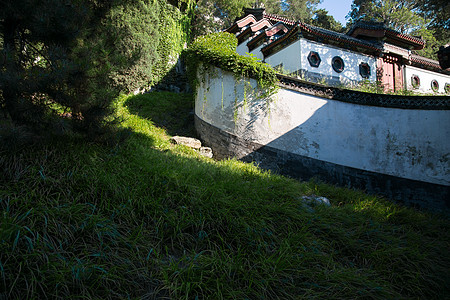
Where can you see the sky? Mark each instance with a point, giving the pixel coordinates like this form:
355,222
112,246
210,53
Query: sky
337,8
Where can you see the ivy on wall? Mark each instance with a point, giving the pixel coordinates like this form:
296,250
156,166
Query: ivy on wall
152,33
219,49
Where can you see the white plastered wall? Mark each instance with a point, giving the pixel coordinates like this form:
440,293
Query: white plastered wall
295,57
407,143
242,48
257,52
351,60
290,57
425,77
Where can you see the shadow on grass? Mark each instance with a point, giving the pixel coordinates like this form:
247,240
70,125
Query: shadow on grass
150,219
170,111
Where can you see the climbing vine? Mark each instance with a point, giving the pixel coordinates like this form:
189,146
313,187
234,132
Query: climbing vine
219,50
151,34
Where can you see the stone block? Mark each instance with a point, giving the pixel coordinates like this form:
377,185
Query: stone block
187,141
206,151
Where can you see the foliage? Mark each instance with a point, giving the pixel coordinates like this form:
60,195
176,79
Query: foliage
217,15
398,15
51,54
219,49
438,11
212,16
152,33
175,34
322,19
134,32
301,10
77,55
145,219
405,16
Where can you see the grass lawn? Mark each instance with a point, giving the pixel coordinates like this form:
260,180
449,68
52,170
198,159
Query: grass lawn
145,219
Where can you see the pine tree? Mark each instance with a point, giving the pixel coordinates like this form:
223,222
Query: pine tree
322,19
51,57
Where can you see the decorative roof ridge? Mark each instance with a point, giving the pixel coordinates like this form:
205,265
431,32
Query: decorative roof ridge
245,17
264,33
259,23
343,36
235,25
415,56
366,25
253,27
431,63
273,17
382,26
324,33
295,27
406,36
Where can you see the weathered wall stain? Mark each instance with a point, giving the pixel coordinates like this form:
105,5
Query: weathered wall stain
412,145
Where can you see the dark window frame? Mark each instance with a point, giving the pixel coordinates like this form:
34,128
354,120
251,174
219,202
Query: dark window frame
415,81
434,85
311,56
334,61
364,70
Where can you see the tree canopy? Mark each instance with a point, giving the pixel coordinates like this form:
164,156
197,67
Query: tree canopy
429,19
293,9
216,15
73,57
50,56
322,19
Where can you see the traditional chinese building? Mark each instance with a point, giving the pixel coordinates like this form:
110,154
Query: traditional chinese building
368,51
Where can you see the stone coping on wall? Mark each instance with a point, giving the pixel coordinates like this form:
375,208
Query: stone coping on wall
365,98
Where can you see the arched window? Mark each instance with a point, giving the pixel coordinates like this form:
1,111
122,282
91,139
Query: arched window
415,81
314,59
338,64
364,70
434,85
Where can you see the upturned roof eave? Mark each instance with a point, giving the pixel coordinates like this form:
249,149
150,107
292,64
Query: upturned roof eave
307,28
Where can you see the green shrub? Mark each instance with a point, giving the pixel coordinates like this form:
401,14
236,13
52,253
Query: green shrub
77,55
151,34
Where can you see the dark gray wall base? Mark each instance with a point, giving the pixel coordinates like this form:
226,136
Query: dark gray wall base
410,192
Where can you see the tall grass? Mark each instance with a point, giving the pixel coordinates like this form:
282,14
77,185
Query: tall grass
146,219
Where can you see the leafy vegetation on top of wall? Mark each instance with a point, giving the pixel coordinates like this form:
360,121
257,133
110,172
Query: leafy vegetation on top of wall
219,49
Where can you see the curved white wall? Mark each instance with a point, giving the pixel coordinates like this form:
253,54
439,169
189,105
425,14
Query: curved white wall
412,144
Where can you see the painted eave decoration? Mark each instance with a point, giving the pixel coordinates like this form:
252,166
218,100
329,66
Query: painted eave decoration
251,29
269,32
